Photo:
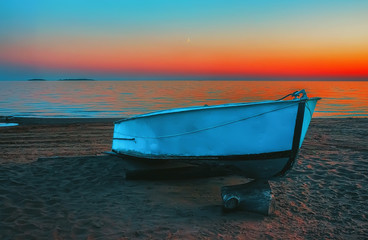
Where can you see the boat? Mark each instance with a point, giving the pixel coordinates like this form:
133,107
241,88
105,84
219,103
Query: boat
259,139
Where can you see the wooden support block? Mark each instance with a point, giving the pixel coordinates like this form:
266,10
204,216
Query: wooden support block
255,196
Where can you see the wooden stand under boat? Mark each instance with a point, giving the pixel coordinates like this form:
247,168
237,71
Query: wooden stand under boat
255,196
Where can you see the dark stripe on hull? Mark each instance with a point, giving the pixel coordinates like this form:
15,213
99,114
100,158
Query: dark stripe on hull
296,138
245,157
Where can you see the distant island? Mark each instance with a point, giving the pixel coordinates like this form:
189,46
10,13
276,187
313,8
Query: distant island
76,79
36,79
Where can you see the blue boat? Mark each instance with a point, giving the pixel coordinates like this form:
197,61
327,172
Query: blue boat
260,139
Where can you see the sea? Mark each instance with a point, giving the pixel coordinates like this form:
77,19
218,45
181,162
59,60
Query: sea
114,99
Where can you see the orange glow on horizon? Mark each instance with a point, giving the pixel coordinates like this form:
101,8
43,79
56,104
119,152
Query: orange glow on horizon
191,59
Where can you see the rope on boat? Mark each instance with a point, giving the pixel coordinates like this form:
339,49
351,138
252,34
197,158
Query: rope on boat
295,95
310,111
208,128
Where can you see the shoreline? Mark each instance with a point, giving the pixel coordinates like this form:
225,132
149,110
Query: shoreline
54,120
75,120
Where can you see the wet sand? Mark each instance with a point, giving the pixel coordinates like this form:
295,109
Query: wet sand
324,196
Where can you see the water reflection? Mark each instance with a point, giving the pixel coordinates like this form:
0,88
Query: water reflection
123,98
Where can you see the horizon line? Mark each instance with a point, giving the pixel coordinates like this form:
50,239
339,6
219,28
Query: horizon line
196,78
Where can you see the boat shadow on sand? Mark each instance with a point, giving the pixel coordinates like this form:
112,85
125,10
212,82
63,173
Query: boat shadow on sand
58,196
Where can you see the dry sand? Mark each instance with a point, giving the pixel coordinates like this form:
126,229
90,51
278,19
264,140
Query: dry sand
324,196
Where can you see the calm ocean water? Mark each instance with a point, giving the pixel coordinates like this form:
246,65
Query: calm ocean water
127,98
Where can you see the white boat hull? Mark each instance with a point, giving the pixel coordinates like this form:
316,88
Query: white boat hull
260,139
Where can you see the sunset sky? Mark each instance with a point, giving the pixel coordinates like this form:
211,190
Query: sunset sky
115,39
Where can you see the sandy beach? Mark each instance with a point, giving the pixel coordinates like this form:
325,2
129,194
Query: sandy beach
56,183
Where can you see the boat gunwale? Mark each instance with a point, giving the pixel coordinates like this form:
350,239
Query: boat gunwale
199,108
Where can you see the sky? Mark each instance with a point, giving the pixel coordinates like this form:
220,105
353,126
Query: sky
118,39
